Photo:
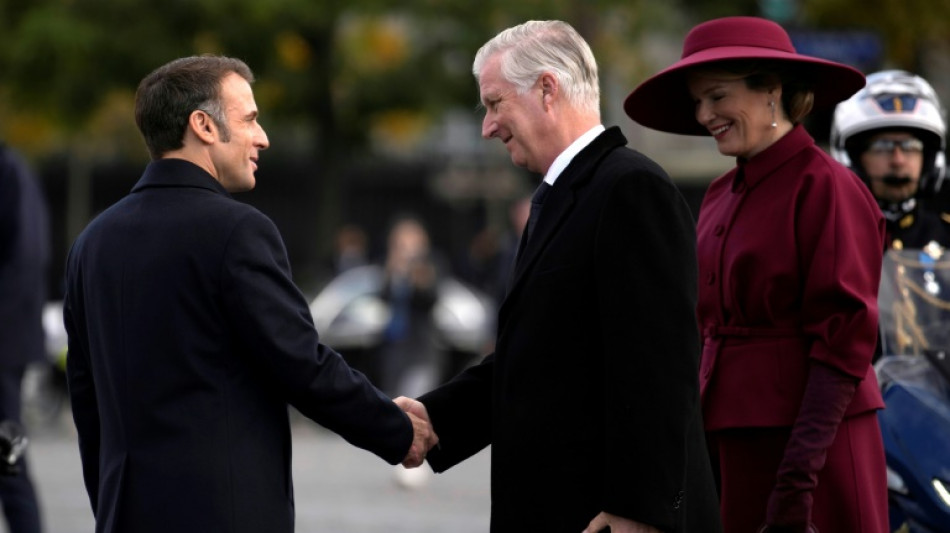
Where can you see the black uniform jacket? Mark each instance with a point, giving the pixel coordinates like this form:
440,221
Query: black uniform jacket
918,228
590,401
187,340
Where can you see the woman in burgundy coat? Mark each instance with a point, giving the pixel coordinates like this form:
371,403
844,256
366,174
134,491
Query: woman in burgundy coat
789,262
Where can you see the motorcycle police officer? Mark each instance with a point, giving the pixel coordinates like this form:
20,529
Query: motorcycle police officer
892,135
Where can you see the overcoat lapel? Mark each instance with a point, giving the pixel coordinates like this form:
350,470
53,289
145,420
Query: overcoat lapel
559,204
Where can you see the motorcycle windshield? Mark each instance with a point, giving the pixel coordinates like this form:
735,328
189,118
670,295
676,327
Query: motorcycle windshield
914,318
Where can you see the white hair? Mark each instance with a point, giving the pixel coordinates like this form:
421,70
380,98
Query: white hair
536,47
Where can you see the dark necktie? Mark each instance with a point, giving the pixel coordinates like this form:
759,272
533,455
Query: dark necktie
536,203
533,214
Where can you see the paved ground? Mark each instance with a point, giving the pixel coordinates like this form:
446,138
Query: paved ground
338,488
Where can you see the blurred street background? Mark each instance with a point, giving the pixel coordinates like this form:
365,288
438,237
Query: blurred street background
373,118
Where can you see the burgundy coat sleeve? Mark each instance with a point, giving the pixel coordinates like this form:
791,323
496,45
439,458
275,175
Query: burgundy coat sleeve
840,233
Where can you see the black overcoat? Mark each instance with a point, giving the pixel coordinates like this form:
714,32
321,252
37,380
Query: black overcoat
590,400
187,340
24,262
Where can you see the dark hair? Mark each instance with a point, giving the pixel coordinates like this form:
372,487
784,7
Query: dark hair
798,94
167,97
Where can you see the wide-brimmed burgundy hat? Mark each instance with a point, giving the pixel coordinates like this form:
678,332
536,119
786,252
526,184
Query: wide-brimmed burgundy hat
663,101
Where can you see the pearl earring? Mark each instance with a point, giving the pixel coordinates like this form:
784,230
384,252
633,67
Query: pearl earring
772,107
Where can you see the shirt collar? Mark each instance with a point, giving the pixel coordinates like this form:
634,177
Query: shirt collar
565,157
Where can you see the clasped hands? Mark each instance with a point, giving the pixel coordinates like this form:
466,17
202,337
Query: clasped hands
423,436
424,439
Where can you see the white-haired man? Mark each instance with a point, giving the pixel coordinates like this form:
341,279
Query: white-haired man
590,400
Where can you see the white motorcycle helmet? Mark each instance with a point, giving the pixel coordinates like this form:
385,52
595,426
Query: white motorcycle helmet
892,99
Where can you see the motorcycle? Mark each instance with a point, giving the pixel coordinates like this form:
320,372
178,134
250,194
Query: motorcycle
45,394
914,375
352,316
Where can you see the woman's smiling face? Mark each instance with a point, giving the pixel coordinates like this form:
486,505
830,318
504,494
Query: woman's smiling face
739,118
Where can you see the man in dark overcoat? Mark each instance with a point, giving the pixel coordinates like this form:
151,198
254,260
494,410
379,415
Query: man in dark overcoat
590,401
24,262
188,339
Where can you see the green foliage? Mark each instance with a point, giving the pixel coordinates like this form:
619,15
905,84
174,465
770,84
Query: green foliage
332,68
328,67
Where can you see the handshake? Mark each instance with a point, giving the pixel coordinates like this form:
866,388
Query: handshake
423,436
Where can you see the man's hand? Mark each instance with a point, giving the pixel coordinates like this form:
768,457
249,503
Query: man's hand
423,436
617,525
413,406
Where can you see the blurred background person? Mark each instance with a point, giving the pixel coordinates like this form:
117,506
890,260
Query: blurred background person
490,258
404,318
478,263
24,260
892,135
351,249
789,245
409,356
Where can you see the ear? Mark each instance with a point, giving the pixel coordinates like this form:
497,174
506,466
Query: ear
775,92
550,88
203,127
